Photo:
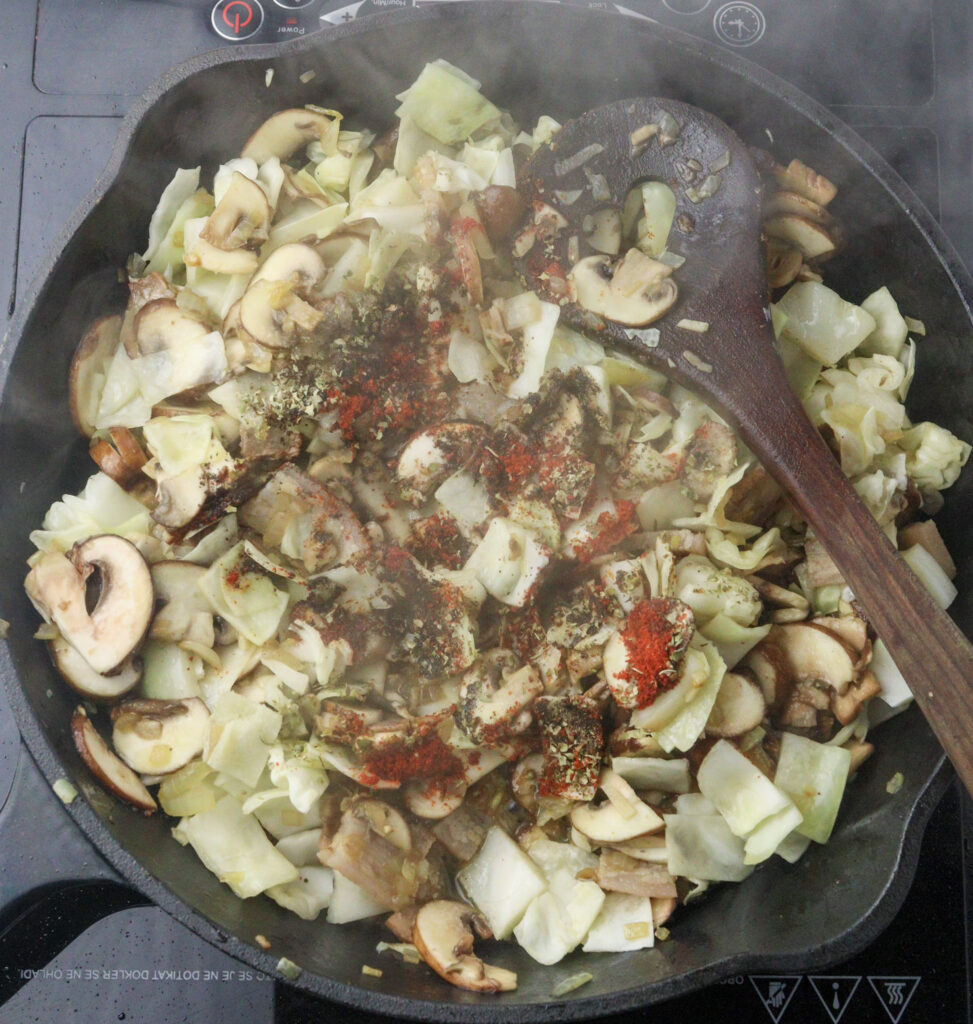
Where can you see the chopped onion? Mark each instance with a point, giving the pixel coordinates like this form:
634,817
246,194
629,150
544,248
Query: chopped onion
572,163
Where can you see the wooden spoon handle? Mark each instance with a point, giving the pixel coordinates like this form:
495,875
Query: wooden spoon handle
933,655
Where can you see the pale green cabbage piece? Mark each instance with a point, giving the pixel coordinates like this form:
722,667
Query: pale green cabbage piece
235,848
685,729
184,184
934,456
739,789
813,775
447,104
702,846
101,507
240,737
244,596
822,322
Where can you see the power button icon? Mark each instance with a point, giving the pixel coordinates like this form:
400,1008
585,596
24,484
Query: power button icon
237,19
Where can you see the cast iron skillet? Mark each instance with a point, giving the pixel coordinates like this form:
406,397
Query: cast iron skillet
531,58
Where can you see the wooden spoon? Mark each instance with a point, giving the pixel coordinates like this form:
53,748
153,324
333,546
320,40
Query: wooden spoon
734,363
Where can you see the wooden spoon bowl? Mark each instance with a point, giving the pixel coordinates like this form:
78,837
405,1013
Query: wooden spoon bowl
733,363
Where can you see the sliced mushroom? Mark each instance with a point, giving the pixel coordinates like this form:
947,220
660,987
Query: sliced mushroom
783,263
622,816
443,934
296,263
798,177
595,289
96,347
815,654
433,454
111,772
184,613
80,676
495,701
814,240
163,325
107,635
287,130
435,798
240,224
156,737
847,706
788,202
850,629
121,458
739,707
769,665
618,872
275,315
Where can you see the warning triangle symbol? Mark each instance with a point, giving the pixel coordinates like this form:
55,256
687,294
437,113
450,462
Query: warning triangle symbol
775,991
894,993
835,992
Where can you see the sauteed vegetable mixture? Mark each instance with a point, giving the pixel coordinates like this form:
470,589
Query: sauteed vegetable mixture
409,601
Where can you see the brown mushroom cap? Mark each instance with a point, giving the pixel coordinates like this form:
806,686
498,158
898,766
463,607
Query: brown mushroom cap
443,935
280,135
114,628
111,772
95,348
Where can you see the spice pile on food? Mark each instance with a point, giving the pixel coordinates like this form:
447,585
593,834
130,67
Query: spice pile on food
407,600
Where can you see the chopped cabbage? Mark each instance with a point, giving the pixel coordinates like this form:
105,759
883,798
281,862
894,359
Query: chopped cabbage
813,775
235,848
822,322
446,104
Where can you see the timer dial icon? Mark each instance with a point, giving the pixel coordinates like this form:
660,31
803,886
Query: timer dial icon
739,24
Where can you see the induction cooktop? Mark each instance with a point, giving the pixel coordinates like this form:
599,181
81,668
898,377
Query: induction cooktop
901,74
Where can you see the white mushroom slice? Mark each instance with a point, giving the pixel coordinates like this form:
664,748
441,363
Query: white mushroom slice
444,937
238,226
107,635
111,772
86,376
815,655
287,130
785,202
386,822
850,629
812,239
739,707
295,262
622,816
430,456
592,283
783,263
770,667
221,261
80,676
492,705
162,325
184,613
155,737
798,177
433,799
273,314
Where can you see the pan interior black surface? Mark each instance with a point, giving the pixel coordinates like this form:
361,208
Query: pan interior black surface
532,59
